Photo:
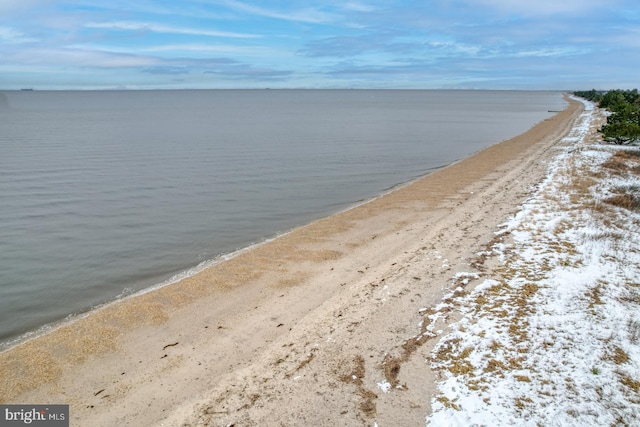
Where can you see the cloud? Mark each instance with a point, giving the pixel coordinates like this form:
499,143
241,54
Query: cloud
625,38
11,36
551,51
318,43
359,6
166,70
307,15
167,29
225,49
173,66
9,6
342,46
223,67
74,57
400,74
346,46
241,72
187,8
542,7
448,48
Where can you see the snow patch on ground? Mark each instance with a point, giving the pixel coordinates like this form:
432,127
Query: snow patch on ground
552,335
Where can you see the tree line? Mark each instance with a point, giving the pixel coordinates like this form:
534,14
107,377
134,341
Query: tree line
623,125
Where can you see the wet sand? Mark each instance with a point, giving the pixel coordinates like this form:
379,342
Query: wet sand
297,331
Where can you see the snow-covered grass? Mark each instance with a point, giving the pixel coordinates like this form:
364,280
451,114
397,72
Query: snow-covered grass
551,335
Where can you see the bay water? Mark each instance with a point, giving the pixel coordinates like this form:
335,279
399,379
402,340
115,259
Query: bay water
105,193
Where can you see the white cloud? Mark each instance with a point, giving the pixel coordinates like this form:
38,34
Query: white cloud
357,6
455,47
169,29
309,15
541,7
11,36
78,57
9,6
625,37
545,52
187,8
255,51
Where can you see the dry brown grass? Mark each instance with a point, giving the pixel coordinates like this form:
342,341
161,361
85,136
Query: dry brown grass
456,361
633,155
447,403
619,356
627,200
633,328
594,297
495,366
522,402
616,166
623,162
511,306
629,382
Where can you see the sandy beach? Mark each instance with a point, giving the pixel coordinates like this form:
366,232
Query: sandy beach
308,329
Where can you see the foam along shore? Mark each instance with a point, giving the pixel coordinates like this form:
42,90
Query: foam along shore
310,328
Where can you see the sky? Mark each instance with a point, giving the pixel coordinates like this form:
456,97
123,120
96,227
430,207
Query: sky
404,44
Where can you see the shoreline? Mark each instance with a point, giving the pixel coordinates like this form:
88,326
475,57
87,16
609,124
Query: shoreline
101,274
45,329
187,273
222,317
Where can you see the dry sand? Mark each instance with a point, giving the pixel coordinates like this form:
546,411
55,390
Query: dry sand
297,331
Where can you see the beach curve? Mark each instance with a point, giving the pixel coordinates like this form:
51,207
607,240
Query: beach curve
320,313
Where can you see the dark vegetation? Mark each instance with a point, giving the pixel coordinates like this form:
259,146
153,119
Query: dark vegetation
623,125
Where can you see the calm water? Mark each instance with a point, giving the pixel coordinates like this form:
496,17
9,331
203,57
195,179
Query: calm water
105,193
